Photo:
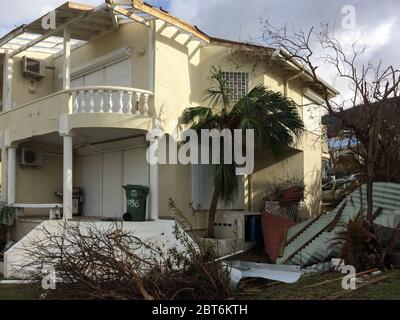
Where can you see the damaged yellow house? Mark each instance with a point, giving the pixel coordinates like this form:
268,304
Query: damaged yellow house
81,92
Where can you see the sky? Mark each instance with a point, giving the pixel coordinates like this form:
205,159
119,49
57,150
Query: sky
375,24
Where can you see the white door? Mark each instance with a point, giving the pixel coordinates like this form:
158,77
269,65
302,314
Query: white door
103,175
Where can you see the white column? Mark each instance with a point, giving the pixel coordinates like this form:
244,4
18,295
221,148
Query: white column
67,177
7,81
4,173
11,175
67,59
154,187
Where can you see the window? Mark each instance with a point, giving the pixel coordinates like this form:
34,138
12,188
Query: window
237,83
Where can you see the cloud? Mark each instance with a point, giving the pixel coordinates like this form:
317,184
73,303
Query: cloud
376,23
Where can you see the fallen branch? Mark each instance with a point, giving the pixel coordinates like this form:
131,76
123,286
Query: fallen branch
338,278
341,293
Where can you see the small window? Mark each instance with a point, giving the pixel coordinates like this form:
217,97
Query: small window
237,83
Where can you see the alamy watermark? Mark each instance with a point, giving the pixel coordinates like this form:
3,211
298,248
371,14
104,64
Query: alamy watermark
204,149
349,17
49,21
349,280
49,280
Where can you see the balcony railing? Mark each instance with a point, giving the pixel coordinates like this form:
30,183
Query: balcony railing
110,99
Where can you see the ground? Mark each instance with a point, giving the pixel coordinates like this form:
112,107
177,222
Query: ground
388,289
258,289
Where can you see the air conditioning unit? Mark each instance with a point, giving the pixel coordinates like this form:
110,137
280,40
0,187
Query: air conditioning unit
31,158
33,68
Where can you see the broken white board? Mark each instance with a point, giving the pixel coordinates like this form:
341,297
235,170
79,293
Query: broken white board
244,269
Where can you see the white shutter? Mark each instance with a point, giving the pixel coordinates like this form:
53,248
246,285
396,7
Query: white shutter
90,180
112,184
117,74
203,187
103,175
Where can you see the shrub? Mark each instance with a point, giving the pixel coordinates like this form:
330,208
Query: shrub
362,245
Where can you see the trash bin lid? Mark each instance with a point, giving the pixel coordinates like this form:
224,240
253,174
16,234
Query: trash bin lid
130,187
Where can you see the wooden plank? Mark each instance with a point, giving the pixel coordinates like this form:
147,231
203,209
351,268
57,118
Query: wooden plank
129,14
157,13
114,18
77,6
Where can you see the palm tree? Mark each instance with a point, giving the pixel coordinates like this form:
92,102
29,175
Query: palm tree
273,117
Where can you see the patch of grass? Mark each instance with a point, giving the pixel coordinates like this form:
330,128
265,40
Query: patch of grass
19,292
262,290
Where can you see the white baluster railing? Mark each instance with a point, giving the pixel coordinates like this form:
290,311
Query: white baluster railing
110,99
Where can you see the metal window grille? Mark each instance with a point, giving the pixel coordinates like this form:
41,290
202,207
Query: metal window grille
237,82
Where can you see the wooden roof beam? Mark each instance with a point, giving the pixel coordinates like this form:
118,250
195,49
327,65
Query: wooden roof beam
159,14
129,14
114,18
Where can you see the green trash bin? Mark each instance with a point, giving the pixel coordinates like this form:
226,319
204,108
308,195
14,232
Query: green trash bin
136,199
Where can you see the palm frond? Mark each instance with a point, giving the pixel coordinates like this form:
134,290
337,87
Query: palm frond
194,115
219,93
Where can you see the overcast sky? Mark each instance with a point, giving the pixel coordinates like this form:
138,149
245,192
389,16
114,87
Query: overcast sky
377,23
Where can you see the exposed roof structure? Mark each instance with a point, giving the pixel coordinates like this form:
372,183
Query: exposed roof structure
85,23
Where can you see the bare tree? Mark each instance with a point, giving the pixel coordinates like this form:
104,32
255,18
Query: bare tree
371,85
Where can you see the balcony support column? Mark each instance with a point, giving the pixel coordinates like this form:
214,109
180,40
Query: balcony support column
67,59
153,180
67,177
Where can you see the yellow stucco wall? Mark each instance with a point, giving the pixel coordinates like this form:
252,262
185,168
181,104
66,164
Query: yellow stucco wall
37,185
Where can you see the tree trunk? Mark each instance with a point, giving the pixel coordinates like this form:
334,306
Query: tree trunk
373,136
212,211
